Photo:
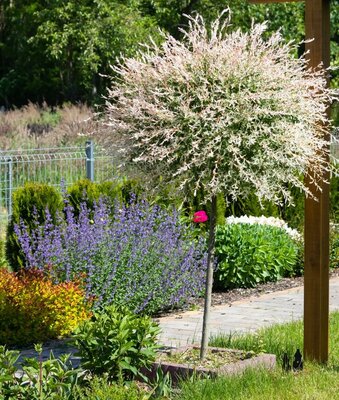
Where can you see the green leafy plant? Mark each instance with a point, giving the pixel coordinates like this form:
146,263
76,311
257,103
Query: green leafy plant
99,388
116,342
52,379
8,380
249,254
334,197
28,201
162,385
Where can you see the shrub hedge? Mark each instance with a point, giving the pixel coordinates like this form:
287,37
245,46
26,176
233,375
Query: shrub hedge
34,309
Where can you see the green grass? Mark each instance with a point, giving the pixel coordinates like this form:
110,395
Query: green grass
315,382
276,339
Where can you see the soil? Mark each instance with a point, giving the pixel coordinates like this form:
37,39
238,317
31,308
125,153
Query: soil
230,296
213,359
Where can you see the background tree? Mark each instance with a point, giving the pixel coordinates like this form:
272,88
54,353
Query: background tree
223,112
58,50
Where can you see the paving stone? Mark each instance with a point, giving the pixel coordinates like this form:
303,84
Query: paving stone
243,316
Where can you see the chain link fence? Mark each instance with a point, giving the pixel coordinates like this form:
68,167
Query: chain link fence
52,166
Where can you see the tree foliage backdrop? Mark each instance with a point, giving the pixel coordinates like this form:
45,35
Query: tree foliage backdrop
61,50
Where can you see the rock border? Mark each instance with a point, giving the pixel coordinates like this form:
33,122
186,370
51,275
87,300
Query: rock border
185,371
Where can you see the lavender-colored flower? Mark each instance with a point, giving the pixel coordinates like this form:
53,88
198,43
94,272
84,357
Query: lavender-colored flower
135,254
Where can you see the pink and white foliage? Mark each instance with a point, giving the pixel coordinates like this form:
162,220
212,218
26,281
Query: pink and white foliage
224,111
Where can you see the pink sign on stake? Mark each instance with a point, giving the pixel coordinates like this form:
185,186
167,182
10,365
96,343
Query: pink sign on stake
200,216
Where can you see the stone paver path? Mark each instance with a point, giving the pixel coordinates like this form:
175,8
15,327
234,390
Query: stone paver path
242,316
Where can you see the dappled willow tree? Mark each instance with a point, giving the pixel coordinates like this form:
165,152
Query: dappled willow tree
224,112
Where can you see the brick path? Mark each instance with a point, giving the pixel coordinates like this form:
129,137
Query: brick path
242,316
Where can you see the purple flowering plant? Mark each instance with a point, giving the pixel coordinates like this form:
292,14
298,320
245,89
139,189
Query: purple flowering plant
137,254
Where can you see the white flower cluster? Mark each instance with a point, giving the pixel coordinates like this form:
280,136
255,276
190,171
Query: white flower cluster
244,219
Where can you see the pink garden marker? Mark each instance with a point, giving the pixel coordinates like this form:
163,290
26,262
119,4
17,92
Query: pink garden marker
200,216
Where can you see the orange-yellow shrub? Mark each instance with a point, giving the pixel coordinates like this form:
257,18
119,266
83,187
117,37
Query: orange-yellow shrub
34,309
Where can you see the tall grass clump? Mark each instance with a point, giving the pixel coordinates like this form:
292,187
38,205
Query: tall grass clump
280,338
143,256
34,126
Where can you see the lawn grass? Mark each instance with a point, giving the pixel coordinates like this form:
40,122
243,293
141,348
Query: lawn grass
315,382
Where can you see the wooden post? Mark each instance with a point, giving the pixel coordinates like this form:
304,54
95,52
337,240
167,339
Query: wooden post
316,275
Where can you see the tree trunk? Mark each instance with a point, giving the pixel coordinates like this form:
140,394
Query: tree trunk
209,279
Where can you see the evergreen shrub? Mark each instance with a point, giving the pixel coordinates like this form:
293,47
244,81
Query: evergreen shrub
34,309
29,207
86,191
249,254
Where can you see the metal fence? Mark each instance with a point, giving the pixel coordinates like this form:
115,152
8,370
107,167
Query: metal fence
52,166
335,147
62,164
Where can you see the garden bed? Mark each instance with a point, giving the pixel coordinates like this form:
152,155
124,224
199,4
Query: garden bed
184,362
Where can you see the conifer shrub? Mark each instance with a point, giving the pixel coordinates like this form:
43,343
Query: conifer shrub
34,309
86,191
29,207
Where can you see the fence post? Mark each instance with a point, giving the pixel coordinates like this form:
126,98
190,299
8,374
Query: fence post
9,187
90,160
